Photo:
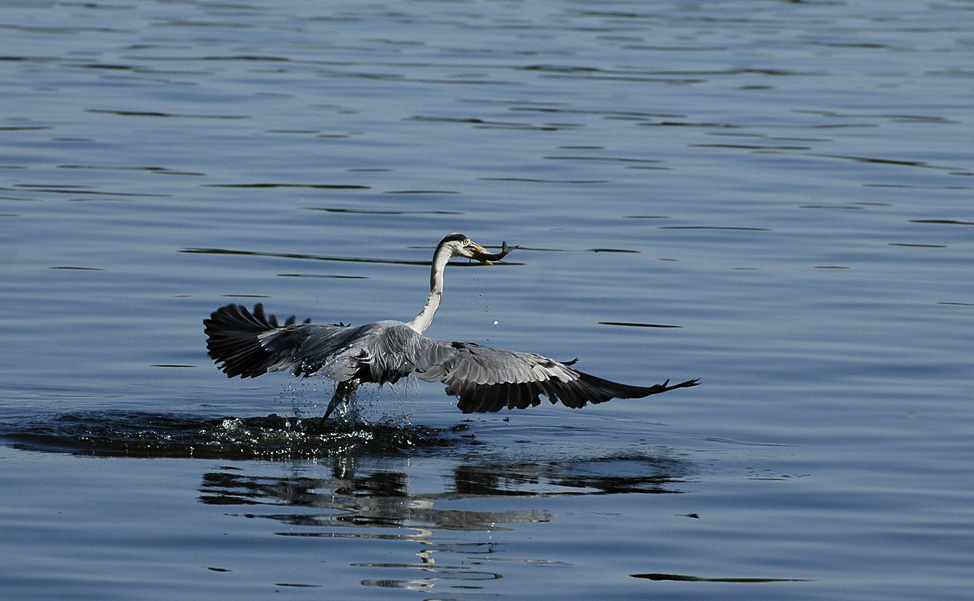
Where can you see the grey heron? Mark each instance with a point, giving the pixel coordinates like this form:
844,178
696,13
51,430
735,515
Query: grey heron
251,343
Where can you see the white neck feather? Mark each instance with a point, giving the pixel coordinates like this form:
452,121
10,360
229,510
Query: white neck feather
425,317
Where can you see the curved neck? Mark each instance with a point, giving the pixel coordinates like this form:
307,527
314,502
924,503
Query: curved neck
422,321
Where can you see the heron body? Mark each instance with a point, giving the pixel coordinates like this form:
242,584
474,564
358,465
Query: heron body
249,343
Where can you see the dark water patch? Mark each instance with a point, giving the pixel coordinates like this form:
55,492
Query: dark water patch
832,207
492,124
739,580
602,159
122,113
775,147
150,435
909,245
107,67
942,221
614,75
247,296
883,161
25,127
327,276
384,212
291,185
902,186
83,191
613,250
778,138
246,58
536,180
608,114
648,167
730,228
632,324
431,192
694,124
75,268
58,30
892,117
561,69
147,169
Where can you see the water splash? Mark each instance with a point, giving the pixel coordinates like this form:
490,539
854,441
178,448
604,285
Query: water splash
138,434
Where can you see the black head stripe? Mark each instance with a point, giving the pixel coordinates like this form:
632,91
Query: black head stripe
453,238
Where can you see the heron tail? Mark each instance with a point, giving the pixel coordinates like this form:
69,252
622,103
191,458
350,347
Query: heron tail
234,340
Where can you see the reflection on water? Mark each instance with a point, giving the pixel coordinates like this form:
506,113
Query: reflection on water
351,505
378,504
348,486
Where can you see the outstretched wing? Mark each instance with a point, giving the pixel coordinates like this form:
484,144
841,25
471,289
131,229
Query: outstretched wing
249,344
488,379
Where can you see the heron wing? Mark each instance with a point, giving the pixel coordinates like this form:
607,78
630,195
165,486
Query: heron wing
487,379
249,344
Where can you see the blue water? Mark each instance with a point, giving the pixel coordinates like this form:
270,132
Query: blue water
775,197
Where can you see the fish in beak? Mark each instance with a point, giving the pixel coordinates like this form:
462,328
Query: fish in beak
479,253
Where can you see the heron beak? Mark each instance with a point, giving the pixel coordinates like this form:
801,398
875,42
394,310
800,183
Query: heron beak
478,253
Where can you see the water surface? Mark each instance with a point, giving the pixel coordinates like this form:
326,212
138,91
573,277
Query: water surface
772,196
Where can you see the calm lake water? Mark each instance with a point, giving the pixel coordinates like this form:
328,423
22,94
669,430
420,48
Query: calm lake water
775,197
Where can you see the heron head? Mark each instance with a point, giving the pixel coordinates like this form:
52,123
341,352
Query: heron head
462,246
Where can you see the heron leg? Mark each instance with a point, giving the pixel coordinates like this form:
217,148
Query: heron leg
343,394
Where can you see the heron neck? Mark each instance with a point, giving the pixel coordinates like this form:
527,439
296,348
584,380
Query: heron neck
425,317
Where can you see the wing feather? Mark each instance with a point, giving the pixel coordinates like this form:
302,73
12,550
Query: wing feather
487,379
249,344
